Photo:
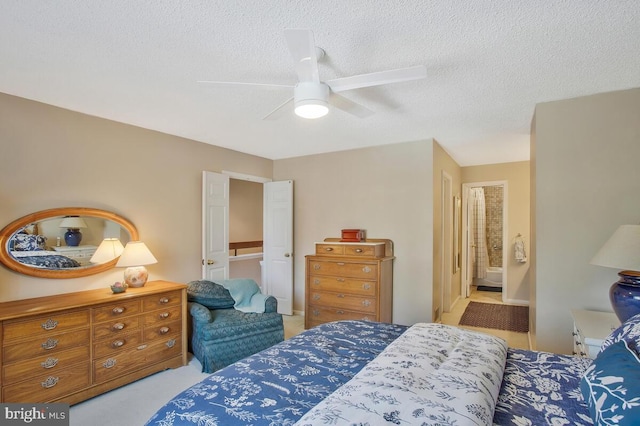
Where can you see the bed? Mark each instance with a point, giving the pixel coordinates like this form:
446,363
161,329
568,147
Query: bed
30,249
367,373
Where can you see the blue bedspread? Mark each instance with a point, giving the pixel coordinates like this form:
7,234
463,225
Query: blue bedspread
279,385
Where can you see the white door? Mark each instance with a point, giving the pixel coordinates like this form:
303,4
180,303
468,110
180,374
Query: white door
215,226
468,245
278,243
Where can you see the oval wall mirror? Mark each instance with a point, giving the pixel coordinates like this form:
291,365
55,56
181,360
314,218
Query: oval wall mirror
59,243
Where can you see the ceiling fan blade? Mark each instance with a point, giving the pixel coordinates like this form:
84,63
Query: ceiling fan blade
303,49
279,111
234,83
349,106
377,78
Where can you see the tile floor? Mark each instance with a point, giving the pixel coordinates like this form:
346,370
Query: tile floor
294,324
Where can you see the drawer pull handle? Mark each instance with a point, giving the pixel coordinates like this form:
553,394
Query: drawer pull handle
49,363
141,347
358,250
164,300
341,296
49,344
366,269
117,310
340,280
117,344
109,363
316,297
365,318
340,312
164,315
117,326
50,382
366,286
49,324
340,263
329,249
366,302
316,281
316,267
579,343
316,312
164,330
171,343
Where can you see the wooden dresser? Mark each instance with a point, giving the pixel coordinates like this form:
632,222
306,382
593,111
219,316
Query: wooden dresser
349,281
71,347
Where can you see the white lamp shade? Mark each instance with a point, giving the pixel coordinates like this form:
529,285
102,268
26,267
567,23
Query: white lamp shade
109,249
622,250
73,222
311,109
136,253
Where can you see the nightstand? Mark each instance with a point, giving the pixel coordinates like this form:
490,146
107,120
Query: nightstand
590,329
81,254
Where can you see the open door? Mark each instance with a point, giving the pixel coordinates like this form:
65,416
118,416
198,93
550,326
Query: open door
468,245
278,243
215,226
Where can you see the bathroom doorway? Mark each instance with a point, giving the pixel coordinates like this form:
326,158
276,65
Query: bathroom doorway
484,232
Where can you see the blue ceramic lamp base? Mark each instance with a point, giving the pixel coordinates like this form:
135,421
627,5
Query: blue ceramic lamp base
625,295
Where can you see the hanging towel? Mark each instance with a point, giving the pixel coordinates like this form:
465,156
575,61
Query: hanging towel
520,254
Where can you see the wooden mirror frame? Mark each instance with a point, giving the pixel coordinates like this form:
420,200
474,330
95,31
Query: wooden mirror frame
7,232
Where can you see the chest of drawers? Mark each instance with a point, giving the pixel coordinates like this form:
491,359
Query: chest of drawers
590,329
71,347
349,281
81,254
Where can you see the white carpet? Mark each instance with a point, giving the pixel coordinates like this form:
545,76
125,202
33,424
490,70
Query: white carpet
135,403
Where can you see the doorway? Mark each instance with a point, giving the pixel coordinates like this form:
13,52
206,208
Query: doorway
484,234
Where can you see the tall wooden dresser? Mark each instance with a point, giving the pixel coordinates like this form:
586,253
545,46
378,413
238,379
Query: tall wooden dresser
346,280
70,347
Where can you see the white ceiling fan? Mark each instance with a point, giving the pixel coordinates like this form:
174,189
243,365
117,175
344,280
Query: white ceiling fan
311,97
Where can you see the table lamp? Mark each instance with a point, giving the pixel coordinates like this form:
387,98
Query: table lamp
73,236
134,257
109,249
622,251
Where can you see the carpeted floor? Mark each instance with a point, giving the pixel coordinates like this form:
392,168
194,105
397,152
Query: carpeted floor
493,315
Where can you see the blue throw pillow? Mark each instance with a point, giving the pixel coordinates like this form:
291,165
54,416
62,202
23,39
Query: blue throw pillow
209,294
628,331
611,386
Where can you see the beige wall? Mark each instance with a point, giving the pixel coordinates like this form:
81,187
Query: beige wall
387,190
587,182
518,219
51,157
442,162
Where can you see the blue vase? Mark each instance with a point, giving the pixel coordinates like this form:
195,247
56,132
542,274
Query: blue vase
73,237
625,295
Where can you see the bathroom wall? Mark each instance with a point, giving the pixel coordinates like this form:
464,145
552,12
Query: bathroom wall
494,201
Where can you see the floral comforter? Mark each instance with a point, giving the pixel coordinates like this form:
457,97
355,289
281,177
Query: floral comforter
279,385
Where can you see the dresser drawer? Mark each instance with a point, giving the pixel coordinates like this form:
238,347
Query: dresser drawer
44,364
343,285
47,387
323,249
344,269
116,327
115,310
117,344
365,250
44,325
159,331
106,369
172,313
325,314
342,300
45,345
158,301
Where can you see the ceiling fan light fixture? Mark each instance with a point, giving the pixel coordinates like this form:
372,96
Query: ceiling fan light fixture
313,108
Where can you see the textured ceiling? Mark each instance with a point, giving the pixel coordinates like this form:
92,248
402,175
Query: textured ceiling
488,64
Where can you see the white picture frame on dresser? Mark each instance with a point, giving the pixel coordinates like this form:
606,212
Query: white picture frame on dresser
590,329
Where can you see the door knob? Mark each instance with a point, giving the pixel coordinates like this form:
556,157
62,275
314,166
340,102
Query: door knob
287,254
210,262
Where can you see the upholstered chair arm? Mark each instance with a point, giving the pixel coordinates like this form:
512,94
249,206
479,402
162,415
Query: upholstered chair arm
271,304
200,314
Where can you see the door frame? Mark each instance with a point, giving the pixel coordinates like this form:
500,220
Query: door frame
466,187
446,244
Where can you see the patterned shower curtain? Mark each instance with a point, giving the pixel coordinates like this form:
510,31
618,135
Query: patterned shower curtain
481,258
